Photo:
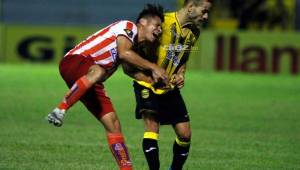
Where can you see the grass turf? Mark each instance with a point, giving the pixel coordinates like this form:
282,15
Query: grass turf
239,121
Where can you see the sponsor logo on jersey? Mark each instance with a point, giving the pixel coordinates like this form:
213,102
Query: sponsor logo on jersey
114,54
176,48
173,57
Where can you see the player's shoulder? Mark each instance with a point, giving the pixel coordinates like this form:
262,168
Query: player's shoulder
127,28
171,21
192,28
126,24
170,16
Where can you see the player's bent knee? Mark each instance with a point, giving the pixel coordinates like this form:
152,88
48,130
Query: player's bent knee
95,73
111,123
183,131
185,137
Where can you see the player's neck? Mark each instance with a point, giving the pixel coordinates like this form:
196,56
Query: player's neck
182,16
140,34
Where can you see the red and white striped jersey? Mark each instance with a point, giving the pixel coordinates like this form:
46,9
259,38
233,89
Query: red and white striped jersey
102,45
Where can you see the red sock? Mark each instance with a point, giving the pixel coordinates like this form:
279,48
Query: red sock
119,150
74,94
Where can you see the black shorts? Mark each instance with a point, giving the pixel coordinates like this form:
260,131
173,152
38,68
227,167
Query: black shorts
169,107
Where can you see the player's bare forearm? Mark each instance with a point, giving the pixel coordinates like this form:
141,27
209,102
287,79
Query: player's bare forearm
135,73
142,64
178,78
142,77
128,55
133,58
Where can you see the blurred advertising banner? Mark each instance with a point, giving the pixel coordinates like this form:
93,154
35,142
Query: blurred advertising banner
245,51
41,44
251,52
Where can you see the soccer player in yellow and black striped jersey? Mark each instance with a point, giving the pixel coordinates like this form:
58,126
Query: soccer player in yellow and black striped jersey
161,104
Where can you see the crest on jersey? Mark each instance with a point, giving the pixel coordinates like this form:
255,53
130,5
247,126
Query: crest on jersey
145,93
129,32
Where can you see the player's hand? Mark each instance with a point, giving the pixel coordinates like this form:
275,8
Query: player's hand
177,80
159,74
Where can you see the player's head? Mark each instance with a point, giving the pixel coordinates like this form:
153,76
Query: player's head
149,22
197,10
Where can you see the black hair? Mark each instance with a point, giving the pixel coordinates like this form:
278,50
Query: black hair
151,10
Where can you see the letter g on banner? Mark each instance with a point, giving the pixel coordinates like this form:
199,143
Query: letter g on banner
36,49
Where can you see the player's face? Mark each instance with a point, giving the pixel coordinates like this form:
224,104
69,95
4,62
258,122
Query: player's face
199,14
153,28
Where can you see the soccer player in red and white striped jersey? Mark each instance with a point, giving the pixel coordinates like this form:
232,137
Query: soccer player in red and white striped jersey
91,62
102,46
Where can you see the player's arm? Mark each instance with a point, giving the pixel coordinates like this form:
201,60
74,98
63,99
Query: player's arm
178,78
181,70
136,73
125,52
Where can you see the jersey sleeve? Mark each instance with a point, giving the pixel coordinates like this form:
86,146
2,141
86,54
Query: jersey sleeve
127,29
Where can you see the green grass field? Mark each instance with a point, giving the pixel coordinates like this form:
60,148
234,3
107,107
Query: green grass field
239,121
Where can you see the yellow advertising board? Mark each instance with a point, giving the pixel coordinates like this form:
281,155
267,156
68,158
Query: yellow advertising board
41,43
251,52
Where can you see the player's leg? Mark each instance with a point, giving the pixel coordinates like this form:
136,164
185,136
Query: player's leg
95,72
150,145
99,104
80,74
116,140
175,113
181,145
146,109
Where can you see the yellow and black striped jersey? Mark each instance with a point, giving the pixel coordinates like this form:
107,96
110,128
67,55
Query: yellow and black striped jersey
174,47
